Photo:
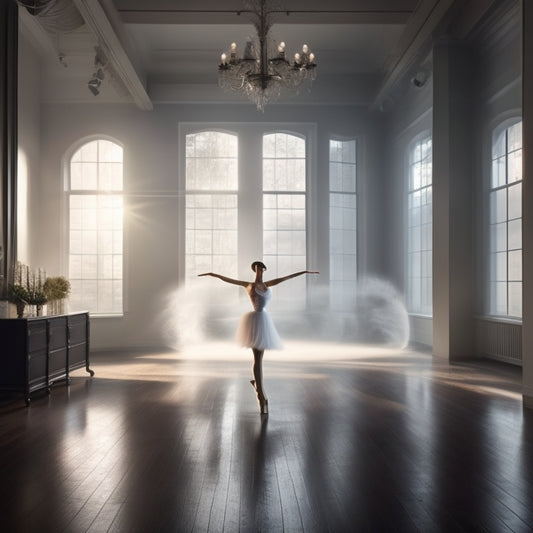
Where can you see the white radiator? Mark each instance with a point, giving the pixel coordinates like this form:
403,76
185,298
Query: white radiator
499,340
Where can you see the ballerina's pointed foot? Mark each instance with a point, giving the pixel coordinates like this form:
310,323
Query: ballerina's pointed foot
252,381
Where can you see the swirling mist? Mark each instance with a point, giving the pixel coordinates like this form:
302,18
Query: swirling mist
207,309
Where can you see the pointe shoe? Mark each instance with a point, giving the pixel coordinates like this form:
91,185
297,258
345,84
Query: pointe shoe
263,406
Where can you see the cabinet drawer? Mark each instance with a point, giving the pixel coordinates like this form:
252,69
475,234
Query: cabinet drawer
57,364
76,356
36,336
57,331
77,326
37,370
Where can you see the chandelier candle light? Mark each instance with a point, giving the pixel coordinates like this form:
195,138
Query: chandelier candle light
261,78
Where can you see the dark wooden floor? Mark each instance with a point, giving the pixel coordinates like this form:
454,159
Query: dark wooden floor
356,440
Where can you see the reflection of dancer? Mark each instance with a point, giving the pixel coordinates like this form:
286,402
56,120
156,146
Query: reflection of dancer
256,329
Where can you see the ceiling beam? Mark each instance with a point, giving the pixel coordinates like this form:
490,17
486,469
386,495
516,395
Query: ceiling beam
289,12
97,20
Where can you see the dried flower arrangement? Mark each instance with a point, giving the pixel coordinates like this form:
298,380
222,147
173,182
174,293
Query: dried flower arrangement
32,287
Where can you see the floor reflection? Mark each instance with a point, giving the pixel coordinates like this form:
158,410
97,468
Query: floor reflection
357,439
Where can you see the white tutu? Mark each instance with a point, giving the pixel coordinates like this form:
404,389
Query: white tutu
256,330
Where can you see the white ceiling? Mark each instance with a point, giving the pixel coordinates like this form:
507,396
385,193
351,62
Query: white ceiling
169,50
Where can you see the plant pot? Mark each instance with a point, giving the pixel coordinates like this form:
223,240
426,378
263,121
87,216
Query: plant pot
20,309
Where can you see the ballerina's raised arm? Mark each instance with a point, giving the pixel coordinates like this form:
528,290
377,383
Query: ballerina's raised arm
226,279
275,281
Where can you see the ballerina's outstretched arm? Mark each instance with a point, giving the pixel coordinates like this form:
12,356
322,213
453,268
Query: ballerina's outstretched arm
226,279
273,282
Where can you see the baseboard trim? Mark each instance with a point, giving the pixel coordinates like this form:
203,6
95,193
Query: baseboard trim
527,401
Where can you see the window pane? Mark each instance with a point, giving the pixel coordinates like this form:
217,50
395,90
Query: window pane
500,265
498,295
110,176
283,162
515,234
499,175
515,299
515,201
514,137
109,152
211,161
499,237
498,146
514,166
515,266
498,206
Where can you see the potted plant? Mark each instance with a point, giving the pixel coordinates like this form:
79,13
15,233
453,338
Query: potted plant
18,295
56,290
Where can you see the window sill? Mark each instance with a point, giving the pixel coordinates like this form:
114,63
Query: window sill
502,319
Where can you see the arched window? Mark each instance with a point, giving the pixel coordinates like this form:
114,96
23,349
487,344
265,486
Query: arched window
284,227
419,229
342,223
211,182
505,222
95,210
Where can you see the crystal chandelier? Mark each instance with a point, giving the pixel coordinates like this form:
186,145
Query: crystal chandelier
261,77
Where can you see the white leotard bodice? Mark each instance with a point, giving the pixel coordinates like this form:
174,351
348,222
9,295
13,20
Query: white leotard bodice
259,298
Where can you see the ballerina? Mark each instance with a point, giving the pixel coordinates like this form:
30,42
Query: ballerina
256,329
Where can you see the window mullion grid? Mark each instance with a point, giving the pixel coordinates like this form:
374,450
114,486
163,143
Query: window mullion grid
507,222
416,163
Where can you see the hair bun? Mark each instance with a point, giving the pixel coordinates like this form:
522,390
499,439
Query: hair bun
259,264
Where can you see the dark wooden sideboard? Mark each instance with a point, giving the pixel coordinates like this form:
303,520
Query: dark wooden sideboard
35,352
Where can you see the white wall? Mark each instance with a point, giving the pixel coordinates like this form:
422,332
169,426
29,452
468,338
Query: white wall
152,231
29,146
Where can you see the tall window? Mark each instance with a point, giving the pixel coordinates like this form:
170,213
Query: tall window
95,227
419,229
284,225
505,198
342,223
211,181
